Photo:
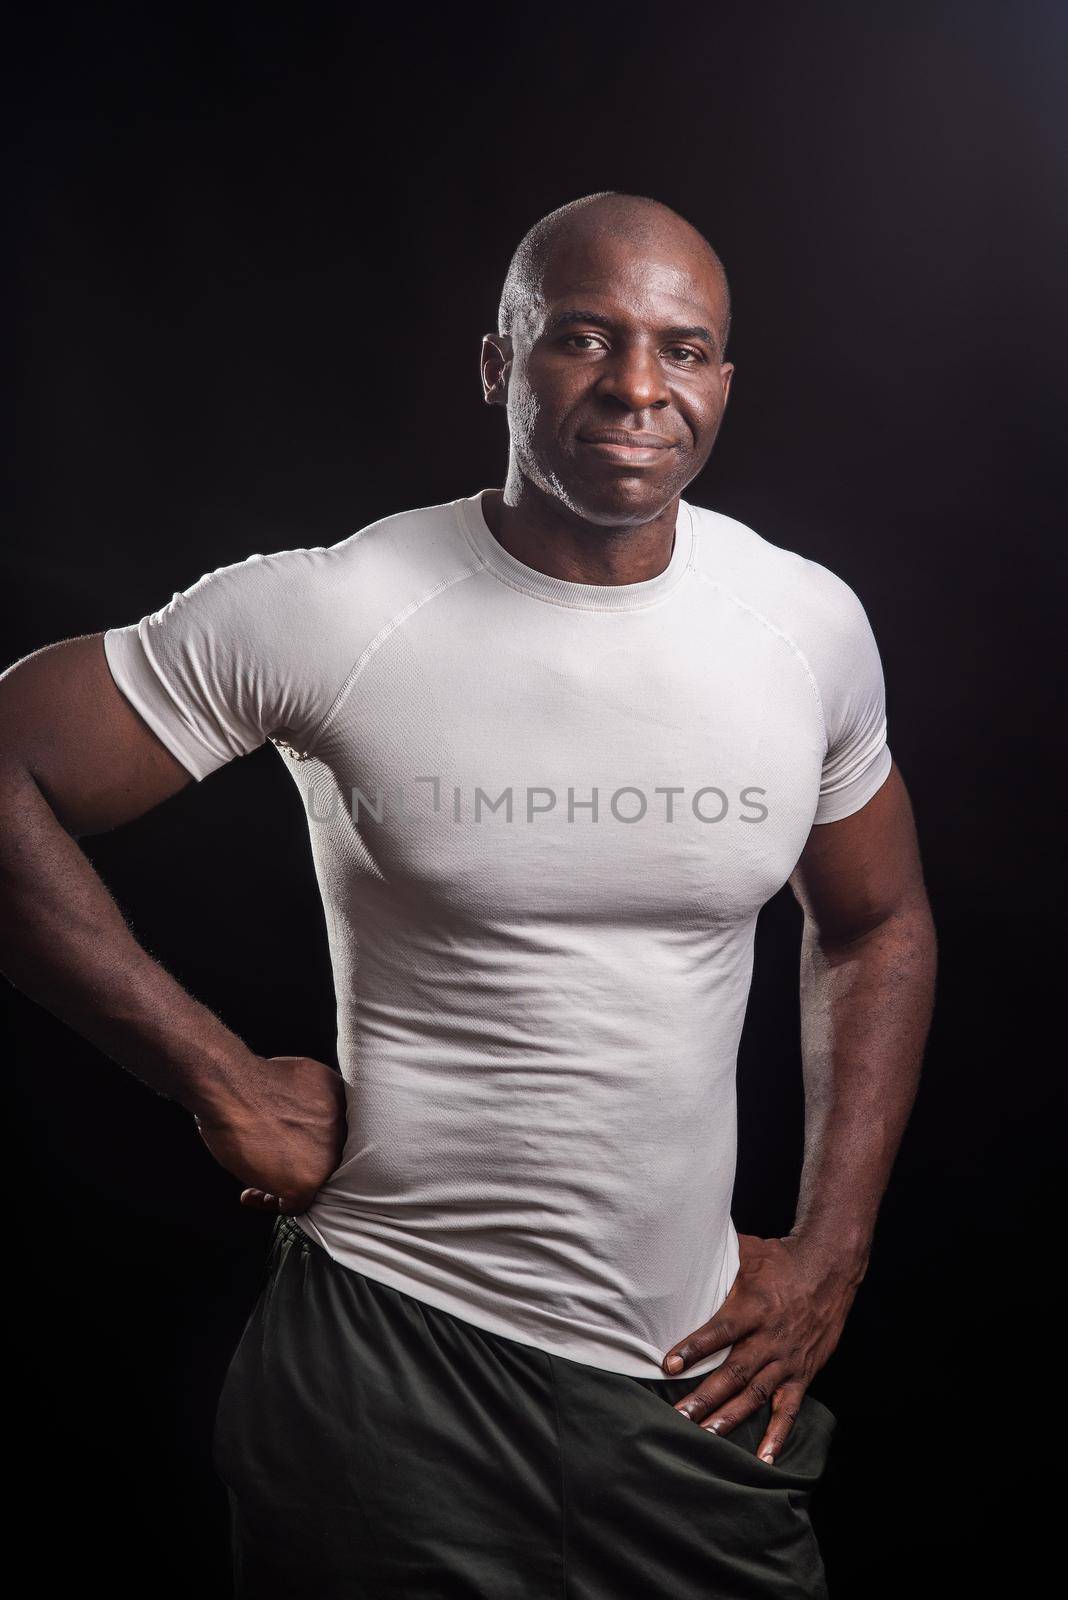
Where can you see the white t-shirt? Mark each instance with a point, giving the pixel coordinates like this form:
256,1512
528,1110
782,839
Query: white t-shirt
544,816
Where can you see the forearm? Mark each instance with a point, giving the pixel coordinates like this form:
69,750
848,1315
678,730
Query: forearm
64,943
865,1012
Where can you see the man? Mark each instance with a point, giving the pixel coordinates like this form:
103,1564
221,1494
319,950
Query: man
558,743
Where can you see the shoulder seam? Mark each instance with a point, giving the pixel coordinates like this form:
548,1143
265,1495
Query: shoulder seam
395,622
766,622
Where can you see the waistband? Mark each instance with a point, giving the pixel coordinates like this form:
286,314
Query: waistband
286,1227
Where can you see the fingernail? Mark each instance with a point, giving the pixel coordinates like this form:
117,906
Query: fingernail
673,1363
713,1427
767,1456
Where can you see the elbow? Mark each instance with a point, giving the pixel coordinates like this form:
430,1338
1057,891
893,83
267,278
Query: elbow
907,924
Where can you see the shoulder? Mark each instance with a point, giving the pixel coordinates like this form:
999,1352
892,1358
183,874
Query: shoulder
813,606
365,577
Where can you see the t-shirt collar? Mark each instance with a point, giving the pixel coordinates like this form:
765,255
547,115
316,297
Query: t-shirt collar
560,591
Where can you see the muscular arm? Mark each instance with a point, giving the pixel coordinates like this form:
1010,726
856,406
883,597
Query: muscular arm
76,759
867,989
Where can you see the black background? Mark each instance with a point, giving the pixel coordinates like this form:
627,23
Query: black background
254,253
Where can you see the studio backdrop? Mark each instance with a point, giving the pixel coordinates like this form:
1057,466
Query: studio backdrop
253,253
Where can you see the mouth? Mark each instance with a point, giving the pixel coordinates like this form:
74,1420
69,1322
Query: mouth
634,449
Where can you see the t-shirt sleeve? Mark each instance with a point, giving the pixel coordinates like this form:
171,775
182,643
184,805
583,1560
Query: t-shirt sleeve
857,761
231,661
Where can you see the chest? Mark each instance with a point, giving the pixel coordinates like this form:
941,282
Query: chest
647,769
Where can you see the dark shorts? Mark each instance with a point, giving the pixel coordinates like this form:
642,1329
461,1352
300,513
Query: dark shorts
373,1446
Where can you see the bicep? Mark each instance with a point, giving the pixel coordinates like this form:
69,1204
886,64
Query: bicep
64,719
855,873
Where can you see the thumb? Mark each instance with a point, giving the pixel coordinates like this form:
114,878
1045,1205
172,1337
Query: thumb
261,1200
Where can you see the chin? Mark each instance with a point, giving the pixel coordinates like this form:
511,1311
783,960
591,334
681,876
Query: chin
622,497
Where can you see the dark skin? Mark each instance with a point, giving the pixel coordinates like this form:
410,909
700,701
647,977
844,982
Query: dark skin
76,760
618,340
867,984
644,356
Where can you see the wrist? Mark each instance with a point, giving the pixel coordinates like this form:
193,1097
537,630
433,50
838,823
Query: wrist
222,1088
841,1253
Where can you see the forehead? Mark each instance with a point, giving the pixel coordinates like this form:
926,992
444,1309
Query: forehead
657,275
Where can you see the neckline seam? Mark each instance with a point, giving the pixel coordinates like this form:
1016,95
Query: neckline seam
466,513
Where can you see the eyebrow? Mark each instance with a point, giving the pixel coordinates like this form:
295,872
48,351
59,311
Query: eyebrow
599,320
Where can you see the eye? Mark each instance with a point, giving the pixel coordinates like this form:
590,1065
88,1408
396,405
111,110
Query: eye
589,337
684,350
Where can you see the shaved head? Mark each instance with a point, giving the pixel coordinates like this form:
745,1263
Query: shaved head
609,360
634,217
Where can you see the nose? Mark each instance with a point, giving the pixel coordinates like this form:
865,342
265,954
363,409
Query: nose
634,377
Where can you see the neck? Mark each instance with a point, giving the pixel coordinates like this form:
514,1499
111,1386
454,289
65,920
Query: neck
549,537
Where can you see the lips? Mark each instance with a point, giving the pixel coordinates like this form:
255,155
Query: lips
627,439
626,448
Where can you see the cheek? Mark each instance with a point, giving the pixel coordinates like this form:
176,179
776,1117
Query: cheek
523,414
706,414
700,419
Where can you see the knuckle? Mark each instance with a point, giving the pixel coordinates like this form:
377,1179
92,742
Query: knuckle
761,1390
696,1405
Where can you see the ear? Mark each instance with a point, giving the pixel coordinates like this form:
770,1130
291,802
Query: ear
726,373
496,365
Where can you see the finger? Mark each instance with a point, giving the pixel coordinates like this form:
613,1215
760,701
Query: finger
724,1329
733,1377
785,1406
260,1200
758,1392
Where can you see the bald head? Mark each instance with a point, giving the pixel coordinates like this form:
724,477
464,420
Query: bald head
636,218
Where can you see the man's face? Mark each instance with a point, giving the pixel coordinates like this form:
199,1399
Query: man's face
614,383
